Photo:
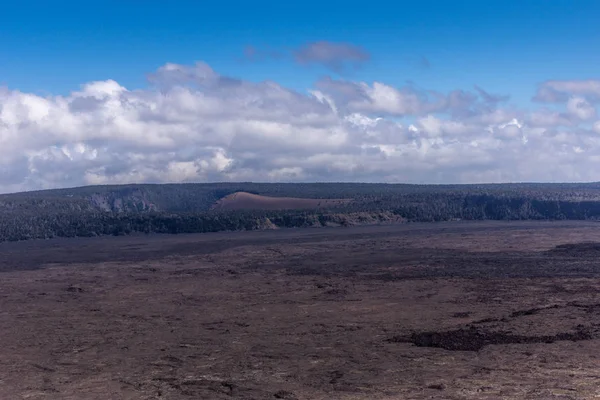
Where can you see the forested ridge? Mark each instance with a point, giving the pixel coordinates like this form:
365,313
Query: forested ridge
186,208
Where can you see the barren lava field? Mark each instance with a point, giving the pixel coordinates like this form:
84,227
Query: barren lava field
487,310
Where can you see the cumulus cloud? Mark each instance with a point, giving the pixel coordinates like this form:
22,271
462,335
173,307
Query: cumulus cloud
191,124
335,56
380,98
549,118
581,108
561,91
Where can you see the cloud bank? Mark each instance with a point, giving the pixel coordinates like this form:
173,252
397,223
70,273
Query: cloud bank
192,124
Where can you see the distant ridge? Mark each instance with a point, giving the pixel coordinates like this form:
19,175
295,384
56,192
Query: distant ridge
211,207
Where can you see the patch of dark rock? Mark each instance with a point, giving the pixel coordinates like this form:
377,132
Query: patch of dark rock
228,386
584,249
437,386
474,339
516,314
335,377
486,320
284,394
74,289
588,308
350,328
461,315
555,288
43,368
532,311
336,291
224,387
399,339
172,359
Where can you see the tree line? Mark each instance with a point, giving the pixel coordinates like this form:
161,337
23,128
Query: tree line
176,209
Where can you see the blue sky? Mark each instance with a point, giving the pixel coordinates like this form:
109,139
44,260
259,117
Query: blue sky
105,92
503,46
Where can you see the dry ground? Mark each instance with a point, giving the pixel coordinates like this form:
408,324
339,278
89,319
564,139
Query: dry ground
420,311
245,201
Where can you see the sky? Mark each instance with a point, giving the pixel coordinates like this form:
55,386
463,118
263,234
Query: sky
107,92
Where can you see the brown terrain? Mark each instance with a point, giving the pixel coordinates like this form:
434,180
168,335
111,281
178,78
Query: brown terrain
244,200
487,310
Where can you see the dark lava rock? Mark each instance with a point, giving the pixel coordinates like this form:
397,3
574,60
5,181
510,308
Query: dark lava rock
283,394
74,289
474,339
584,249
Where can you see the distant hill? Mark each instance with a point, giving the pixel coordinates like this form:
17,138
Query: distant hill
178,208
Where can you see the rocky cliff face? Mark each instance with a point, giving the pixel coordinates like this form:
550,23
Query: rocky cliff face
136,201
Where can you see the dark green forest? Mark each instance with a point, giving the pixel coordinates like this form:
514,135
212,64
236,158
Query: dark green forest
186,208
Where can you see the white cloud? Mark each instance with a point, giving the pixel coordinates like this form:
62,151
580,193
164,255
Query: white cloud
580,108
433,126
194,125
509,130
560,91
379,98
545,117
